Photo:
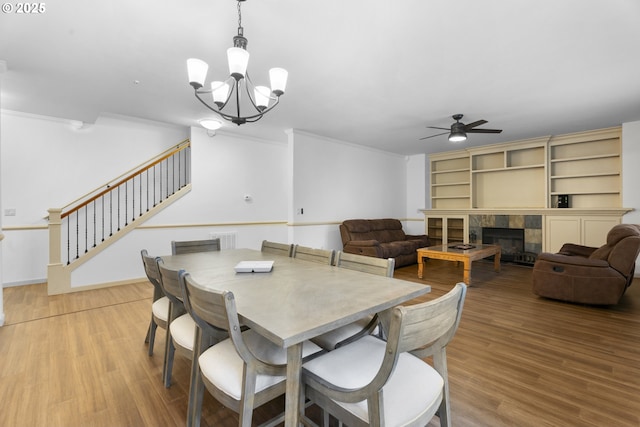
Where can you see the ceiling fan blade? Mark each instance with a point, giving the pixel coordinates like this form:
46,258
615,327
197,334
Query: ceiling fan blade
474,124
484,130
433,127
432,136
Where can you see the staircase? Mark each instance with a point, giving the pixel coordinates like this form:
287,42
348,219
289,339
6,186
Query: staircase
82,229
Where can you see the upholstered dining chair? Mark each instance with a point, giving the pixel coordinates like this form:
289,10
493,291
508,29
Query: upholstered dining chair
321,256
277,248
160,304
242,372
366,326
181,331
191,246
373,382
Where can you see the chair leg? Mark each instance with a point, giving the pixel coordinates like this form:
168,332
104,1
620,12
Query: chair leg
151,336
168,368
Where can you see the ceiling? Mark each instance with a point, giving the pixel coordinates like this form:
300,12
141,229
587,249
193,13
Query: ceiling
369,72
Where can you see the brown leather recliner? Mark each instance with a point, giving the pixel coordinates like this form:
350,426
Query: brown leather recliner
587,275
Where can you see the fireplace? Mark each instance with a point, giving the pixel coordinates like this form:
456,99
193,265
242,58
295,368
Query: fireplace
511,240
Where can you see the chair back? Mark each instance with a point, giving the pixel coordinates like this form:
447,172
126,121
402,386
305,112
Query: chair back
153,274
215,311
366,264
426,328
321,256
277,248
622,248
191,246
169,279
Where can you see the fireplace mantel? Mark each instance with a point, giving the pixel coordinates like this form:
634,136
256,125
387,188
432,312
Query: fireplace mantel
619,212
552,226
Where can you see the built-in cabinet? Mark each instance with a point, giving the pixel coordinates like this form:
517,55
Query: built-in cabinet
529,177
444,229
585,230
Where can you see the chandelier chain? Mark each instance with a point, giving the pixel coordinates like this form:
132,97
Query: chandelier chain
239,16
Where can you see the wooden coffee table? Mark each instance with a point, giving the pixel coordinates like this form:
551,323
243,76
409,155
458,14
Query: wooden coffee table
459,252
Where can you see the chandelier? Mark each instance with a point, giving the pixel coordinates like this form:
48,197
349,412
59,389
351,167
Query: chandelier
228,95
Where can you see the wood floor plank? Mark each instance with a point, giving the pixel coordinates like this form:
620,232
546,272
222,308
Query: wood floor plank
517,359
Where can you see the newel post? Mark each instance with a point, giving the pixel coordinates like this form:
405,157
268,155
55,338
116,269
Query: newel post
55,239
58,277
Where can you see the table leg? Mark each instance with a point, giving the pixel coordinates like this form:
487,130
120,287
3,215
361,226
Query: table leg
496,261
294,395
420,265
466,278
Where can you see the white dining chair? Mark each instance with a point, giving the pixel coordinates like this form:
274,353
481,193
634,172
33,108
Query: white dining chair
367,325
320,256
181,331
371,382
277,248
241,372
160,304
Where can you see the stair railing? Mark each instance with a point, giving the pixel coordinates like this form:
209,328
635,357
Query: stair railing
104,212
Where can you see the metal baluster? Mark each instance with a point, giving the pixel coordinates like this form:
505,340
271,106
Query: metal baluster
102,203
68,241
118,208
86,230
77,234
94,223
111,212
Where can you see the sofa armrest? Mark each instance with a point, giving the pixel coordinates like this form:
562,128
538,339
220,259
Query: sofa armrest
568,260
578,250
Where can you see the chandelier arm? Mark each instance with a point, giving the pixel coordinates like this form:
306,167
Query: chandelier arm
215,110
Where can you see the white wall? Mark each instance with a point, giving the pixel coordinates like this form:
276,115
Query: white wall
333,181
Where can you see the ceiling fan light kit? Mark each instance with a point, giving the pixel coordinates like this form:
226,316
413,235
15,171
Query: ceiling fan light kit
458,130
261,99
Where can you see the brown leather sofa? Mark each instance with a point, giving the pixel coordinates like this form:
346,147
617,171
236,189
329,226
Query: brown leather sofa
588,275
381,238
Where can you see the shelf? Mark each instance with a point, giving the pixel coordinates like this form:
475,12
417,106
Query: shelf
510,168
583,193
589,175
580,158
450,184
450,197
450,171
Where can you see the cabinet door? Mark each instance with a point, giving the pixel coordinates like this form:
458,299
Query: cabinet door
560,230
595,230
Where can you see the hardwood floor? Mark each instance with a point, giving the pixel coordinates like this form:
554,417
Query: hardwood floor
517,360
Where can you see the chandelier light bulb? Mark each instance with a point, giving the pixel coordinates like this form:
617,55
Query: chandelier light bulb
220,92
278,78
197,70
238,61
261,95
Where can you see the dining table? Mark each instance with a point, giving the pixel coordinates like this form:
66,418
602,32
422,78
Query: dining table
296,301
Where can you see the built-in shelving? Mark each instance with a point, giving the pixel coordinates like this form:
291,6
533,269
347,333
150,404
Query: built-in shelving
586,167
450,181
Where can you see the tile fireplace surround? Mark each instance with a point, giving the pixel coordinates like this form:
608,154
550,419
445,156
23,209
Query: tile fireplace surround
532,225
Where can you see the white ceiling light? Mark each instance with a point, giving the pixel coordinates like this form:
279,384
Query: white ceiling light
210,124
261,99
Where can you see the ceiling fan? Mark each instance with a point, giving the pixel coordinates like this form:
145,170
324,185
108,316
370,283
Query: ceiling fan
458,131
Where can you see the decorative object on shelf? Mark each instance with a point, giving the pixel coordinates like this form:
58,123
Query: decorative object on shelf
458,131
563,201
261,101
